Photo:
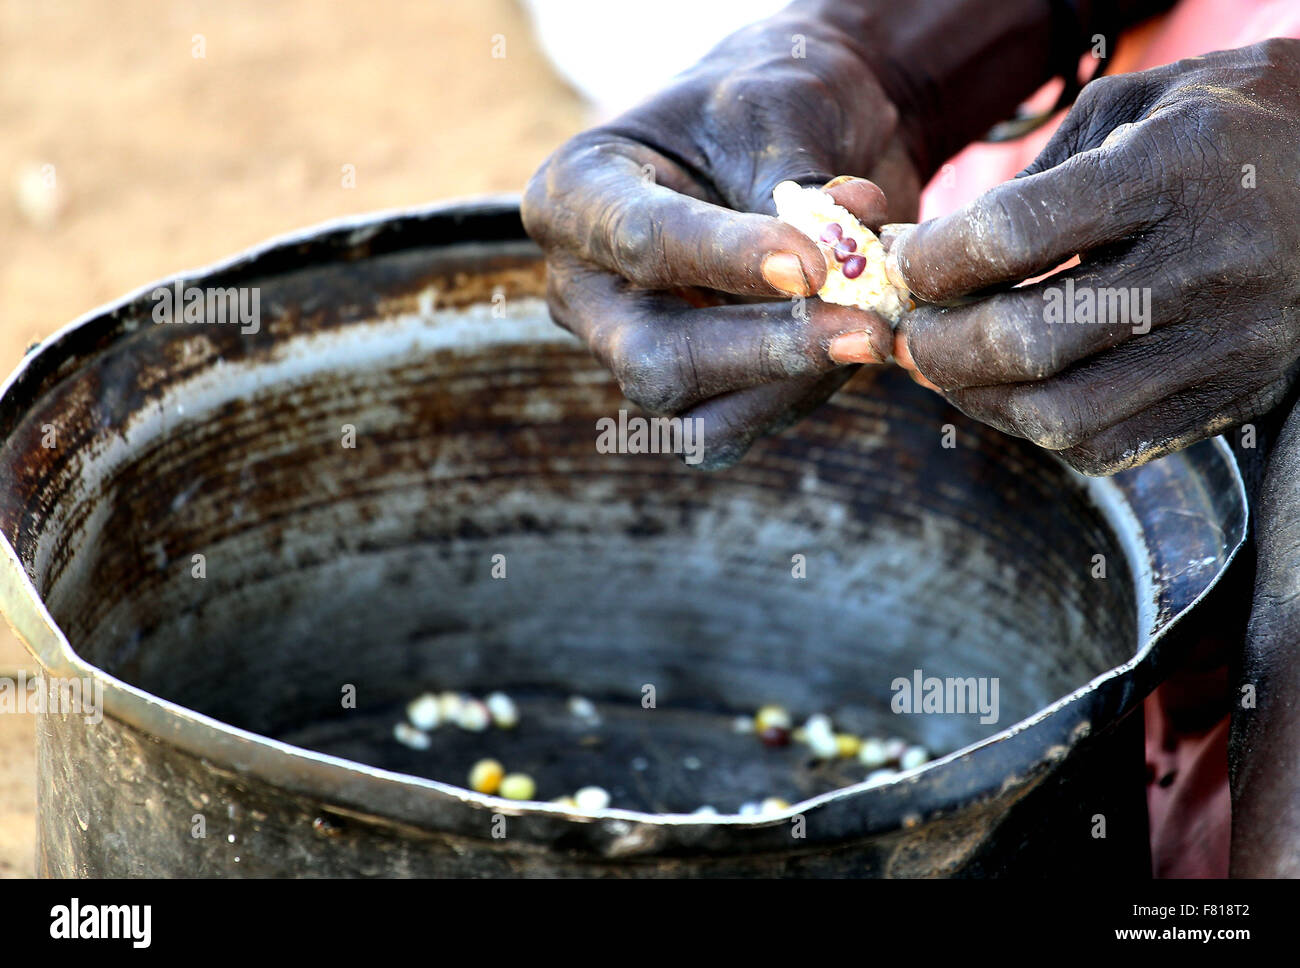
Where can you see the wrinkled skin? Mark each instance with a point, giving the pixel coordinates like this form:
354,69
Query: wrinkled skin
659,232
1144,180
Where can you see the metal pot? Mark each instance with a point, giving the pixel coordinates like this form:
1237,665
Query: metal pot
227,746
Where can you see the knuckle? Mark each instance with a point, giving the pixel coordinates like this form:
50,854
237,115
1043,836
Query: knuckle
637,244
1053,421
1102,90
639,362
1008,222
533,205
1018,345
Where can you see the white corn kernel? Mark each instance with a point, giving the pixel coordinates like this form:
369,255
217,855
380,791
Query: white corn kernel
818,723
423,712
592,798
449,704
913,757
408,735
823,745
894,748
504,712
583,708
877,777
871,753
820,737
473,716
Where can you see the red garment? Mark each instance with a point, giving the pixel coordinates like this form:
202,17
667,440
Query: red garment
1187,796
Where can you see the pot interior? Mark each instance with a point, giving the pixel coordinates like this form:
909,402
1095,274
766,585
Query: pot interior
329,568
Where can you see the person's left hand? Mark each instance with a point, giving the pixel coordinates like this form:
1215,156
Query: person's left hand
1180,185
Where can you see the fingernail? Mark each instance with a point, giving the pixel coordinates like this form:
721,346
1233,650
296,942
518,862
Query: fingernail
854,348
890,231
893,272
784,271
839,180
922,381
902,355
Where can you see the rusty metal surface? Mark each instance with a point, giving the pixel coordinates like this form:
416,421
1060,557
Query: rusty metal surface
476,430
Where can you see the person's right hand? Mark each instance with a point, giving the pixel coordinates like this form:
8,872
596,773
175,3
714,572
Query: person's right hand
636,217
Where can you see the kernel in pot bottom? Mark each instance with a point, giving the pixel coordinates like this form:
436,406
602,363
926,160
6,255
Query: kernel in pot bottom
587,754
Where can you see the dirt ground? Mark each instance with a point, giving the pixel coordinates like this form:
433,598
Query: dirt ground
162,160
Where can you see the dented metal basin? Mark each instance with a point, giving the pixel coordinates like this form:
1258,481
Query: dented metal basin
392,484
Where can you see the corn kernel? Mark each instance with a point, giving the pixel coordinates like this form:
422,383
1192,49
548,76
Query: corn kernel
592,798
517,786
823,746
820,738
771,716
871,754
473,716
818,723
774,805
894,748
423,712
486,776
504,712
846,744
408,735
449,704
913,757
583,708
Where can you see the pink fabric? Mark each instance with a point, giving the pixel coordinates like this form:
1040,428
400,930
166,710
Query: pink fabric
1190,810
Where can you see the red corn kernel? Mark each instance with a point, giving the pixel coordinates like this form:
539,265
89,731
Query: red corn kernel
775,736
845,249
853,266
832,233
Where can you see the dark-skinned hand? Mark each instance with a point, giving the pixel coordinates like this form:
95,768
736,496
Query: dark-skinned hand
663,252
1184,181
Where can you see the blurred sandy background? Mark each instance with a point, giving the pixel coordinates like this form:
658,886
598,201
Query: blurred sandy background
163,161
